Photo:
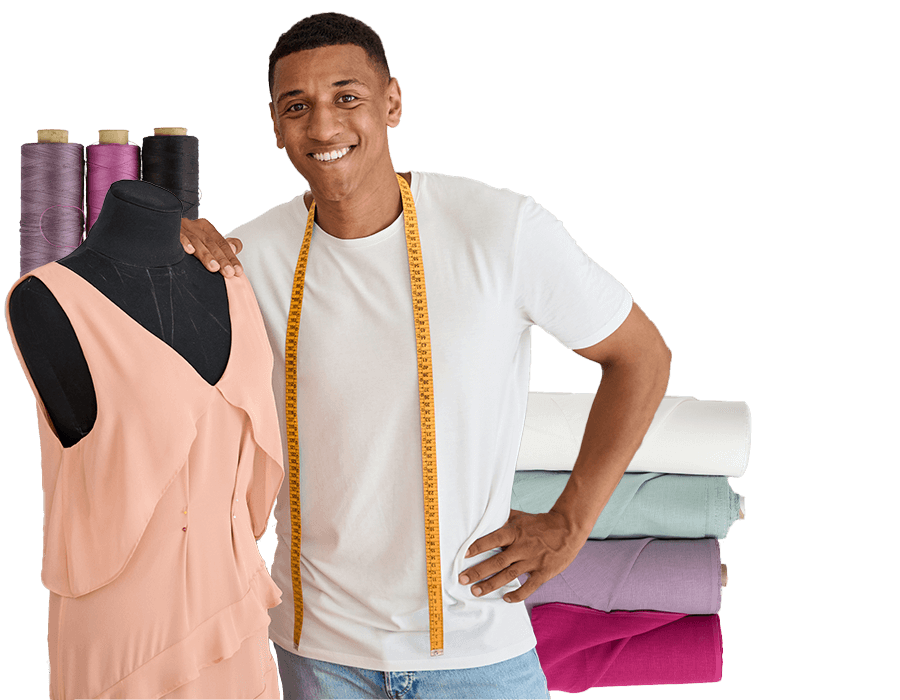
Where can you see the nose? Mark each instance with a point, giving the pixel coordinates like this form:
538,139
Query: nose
324,123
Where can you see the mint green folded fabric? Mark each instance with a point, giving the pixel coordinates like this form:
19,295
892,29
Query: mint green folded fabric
643,504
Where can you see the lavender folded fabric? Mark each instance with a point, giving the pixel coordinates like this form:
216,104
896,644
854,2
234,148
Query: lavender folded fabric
581,648
681,576
643,505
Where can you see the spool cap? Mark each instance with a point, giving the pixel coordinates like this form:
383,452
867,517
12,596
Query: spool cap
114,136
170,131
53,136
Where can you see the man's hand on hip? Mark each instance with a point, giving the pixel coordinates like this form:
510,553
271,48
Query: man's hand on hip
540,545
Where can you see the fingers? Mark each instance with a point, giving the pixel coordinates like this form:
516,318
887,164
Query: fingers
526,589
501,567
186,243
496,571
201,239
202,253
488,567
226,256
498,538
539,545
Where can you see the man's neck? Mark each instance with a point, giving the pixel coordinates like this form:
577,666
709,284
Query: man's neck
373,211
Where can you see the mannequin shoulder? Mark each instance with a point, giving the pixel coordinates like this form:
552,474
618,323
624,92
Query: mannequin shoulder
42,330
33,305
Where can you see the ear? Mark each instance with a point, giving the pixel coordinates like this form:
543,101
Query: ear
278,140
395,105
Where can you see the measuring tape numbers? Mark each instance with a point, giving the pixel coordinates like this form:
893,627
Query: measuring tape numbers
426,411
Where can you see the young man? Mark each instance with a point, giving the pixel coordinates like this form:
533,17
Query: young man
494,263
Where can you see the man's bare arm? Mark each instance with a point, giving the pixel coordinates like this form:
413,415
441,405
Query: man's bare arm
201,239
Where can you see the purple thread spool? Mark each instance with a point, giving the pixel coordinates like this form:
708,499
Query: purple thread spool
111,160
52,215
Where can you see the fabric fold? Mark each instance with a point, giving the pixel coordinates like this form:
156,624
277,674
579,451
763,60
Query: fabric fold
251,392
686,436
642,505
581,648
216,639
682,576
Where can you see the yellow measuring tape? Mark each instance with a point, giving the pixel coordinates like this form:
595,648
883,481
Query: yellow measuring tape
426,411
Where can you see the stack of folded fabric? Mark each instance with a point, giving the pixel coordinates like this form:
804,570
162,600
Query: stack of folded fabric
639,603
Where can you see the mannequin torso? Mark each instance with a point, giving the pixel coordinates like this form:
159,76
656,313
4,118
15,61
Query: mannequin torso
133,255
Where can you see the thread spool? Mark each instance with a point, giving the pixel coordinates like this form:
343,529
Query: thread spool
52,213
170,159
723,575
111,160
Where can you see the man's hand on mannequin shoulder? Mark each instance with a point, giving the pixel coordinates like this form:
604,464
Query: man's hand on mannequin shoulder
201,240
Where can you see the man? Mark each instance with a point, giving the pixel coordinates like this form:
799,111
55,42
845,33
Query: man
495,263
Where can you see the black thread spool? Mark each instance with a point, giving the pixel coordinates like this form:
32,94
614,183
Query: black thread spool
170,158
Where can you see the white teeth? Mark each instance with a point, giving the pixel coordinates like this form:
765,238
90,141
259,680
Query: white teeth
334,155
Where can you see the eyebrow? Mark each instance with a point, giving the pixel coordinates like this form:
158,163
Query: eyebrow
339,83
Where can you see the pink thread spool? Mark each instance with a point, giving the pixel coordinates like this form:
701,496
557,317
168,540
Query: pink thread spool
111,160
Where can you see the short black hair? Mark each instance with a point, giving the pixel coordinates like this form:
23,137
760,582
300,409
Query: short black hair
329,29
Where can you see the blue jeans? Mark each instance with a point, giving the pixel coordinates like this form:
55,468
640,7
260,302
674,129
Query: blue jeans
519,678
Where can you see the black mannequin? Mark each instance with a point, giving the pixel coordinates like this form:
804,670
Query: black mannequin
133,255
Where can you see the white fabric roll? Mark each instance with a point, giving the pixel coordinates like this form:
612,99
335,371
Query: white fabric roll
686,436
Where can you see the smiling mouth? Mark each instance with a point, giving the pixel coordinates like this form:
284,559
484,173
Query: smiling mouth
332,156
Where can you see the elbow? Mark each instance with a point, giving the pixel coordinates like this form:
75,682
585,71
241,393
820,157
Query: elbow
663,364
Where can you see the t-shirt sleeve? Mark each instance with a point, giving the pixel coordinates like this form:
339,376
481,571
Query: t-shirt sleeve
560,288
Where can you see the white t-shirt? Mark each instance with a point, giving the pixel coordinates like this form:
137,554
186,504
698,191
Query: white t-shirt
495,263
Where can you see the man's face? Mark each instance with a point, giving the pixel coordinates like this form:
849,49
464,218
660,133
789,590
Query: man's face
332,102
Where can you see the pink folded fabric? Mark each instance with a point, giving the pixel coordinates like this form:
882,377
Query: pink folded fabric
581,648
